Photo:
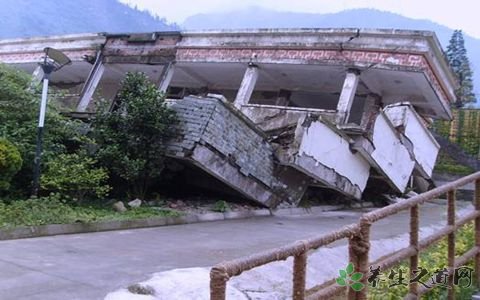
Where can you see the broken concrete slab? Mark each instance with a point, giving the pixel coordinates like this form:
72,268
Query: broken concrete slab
215,137
424,146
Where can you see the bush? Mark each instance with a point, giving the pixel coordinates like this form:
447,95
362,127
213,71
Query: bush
19,105
10,163
221,206
75,176
131,138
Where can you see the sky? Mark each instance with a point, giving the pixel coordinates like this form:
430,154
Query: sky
458,14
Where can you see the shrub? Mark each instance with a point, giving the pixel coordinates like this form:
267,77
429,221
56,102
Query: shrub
75,176
10,163
19,106
131,138
221,206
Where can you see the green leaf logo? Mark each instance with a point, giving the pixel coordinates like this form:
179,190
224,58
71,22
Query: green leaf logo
357,286
341,281
349,278
357,276
349,268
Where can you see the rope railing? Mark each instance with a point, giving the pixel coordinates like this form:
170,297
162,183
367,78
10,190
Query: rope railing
359,248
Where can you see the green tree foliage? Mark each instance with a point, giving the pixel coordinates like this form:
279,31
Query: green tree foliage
458,59
75,176
10,163
19,107
131,138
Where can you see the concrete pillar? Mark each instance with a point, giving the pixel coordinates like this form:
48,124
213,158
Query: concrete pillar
246,87
166,77
347,95
371,108
91,84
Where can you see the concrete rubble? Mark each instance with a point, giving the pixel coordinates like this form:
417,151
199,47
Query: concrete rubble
270,113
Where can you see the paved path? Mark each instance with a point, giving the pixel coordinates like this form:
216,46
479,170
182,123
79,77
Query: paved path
88,266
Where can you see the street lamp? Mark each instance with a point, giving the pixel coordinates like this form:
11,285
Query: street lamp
53,61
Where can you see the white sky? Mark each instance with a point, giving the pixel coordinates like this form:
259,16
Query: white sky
458,14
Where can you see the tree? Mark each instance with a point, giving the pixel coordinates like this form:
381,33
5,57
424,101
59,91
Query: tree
457,57
10,163
19,105
131,138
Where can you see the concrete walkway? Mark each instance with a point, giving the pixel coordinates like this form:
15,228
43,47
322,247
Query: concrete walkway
88,266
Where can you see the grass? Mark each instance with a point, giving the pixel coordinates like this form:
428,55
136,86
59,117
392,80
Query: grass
433,259
54,210
446,164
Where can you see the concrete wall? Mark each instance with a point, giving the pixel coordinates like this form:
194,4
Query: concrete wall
333,151
269,118
425,147
391,156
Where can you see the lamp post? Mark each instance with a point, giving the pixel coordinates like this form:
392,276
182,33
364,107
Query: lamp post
53,61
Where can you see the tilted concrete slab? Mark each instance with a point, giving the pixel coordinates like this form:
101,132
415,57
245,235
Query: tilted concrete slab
215,137
387,153
424,146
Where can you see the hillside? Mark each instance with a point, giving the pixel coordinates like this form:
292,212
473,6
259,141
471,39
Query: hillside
255,17
27,18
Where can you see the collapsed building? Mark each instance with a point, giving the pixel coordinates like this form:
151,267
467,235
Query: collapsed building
270,113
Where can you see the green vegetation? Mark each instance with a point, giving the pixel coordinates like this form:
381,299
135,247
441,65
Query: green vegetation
221,206
131,138
75,176
54,210
19,106
463,131
80,162
435,258
446,164
10,163
458,59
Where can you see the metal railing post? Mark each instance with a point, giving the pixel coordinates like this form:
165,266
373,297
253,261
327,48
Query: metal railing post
414,224
451,241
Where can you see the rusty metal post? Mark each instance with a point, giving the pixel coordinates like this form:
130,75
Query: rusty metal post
451,242
218,283
414,221
359,247
477,232
299,275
